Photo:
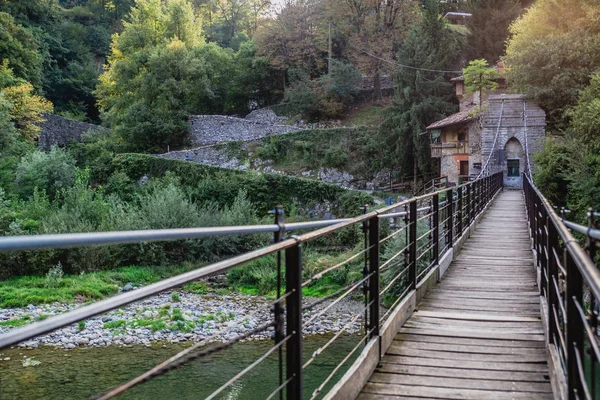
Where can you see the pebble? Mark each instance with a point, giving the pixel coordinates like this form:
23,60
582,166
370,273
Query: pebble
227,316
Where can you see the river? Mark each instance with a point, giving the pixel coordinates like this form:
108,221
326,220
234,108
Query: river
83,372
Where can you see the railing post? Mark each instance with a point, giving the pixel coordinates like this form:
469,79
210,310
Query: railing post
436,228
544,251
551,296
459,210
293,284
534,232
374,278
574,335
412,246
450,219
469,205
479,196
278,307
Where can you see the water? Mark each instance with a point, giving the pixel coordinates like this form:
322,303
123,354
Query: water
81,373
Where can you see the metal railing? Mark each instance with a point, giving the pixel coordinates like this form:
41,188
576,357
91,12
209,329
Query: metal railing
570,283
393,258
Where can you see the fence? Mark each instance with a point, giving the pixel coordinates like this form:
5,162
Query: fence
393,258
570,286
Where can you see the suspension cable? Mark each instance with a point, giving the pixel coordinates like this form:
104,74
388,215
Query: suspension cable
495,141
526,138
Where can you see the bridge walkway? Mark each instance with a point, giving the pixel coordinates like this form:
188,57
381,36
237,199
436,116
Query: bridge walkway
478,334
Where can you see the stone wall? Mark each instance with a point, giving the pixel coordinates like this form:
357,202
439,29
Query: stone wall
528,132
220,156
60,131
211,129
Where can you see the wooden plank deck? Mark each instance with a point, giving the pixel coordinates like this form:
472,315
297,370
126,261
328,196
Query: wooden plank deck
478,334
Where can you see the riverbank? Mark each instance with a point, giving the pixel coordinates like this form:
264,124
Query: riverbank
175,317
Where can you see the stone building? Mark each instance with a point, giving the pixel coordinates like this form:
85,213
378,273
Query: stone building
495,137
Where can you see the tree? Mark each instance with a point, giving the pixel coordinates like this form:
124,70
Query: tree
159,73
422,97
552,53
585,115
373,30
488,27
21,106
253,81
479,77
293,40
19,47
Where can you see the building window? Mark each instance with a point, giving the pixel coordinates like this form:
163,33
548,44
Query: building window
513,168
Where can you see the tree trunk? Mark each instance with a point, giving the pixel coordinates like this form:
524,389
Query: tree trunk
377,86
415,170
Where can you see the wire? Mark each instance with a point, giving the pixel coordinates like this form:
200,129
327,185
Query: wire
526,137
394,62
495,141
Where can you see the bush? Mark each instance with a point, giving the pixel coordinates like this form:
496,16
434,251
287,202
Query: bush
221,186
51,172
336,157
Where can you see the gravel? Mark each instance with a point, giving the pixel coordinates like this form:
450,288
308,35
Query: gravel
208,317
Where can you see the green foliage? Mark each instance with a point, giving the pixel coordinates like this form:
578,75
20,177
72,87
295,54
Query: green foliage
81,325
552,53
479,78
160,72
54,276
175,297
119,323
488,27
549,173
585,115
16,322
19,48
50,172
326,97
221,186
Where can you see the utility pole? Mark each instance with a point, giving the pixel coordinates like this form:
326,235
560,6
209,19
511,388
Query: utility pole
329,62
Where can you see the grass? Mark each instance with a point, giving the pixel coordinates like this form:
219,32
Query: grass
22,291
255,278
365,115
16,322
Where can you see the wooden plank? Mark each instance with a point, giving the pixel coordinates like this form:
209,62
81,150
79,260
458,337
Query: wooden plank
477,317
463,322
481,365
409,351
450,393
458,383
449,340
527,330
464,373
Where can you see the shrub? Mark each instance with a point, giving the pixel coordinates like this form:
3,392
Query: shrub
51,172
54,276
336,157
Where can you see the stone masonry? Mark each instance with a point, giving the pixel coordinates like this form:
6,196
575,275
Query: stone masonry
60,131
211,129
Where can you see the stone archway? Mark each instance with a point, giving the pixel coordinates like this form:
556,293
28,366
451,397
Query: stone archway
514,163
